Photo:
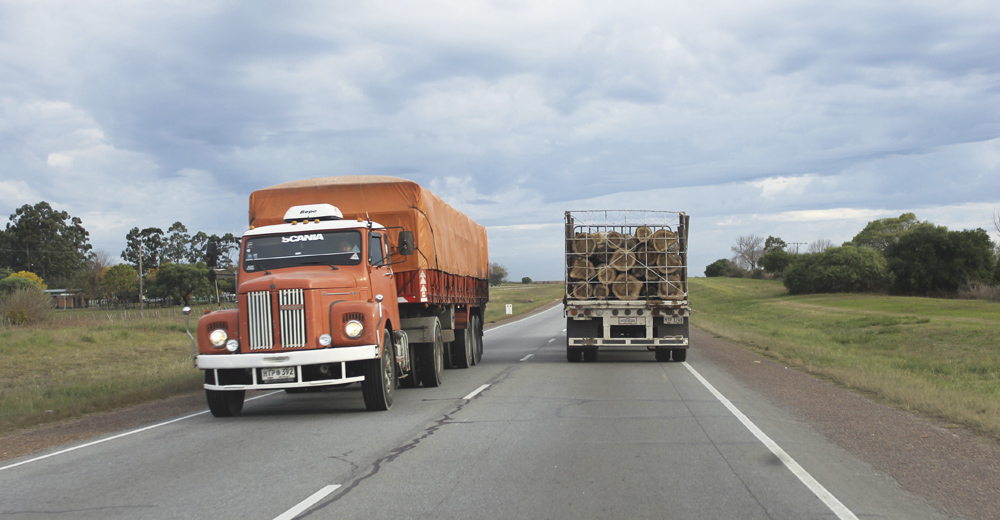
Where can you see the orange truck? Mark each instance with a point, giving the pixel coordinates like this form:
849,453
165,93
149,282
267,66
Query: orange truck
359,279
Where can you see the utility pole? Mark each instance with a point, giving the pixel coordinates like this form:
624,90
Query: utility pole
140,273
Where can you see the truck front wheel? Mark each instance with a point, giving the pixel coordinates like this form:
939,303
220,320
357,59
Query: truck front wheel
380,377
225,403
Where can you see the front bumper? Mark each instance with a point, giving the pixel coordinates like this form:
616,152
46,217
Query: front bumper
335,358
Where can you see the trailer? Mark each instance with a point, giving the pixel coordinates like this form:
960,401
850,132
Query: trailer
626,283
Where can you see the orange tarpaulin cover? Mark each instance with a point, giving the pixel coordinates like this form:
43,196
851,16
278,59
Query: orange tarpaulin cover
445,238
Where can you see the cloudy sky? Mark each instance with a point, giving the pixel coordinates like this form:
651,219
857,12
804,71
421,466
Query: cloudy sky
799,119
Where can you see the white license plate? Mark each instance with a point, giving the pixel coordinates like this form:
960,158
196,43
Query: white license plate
631,321
673,321
277,375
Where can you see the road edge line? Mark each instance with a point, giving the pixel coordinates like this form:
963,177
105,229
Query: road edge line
836,506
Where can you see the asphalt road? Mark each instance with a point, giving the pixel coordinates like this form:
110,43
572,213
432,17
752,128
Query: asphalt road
524,434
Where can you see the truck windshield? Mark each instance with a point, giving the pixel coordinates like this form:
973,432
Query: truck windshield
280,251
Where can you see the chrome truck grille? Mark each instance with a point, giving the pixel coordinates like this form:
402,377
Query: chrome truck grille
291,319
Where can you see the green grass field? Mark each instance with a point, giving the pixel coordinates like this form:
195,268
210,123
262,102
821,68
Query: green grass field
937,357
89,361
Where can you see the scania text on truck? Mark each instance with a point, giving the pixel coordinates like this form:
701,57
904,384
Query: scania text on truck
341,280
626,283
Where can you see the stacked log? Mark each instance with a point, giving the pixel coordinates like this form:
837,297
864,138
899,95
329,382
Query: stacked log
620,265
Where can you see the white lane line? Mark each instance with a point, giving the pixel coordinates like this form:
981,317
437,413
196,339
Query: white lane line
821,492
307,503
529,356
522,319
119,436
476,392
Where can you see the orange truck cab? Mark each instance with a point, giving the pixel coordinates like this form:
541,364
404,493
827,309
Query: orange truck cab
347,280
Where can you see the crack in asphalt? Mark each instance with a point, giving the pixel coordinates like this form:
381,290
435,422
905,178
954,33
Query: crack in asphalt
445,419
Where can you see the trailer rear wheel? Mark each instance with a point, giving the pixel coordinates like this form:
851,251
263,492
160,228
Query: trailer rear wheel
225,403
431,359
680,354
477,335
590,354
574,355
663,354
380,377
462,350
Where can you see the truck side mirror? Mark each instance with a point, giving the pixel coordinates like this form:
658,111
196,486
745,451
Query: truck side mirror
406,243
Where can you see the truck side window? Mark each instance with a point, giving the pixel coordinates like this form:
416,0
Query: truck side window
375,255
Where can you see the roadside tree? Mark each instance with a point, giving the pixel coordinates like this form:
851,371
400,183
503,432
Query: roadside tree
880,234
176,243
147,243
120,282
498,274
930,260
181,281
40,239
748,251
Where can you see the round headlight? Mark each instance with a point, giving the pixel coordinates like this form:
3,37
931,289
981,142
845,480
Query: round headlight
353,329
218,338
325,340
232,345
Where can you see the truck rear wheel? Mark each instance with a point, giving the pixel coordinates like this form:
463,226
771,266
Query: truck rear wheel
380,377
680,354
431,360
663,355
590,354
462,350
225,403
574,355
477,335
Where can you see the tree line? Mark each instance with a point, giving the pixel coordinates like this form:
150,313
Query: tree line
55,247
900,256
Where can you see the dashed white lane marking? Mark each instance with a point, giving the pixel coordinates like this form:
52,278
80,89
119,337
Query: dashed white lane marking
476,392
821,492
307,503
529,356
119,436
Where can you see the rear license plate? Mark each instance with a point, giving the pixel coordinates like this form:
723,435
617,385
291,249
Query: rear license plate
277,375
673,321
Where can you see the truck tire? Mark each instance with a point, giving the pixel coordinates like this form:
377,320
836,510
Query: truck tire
380,377
477,334
431,360
680,354
590,354
225,403
663,355
574,355
462,350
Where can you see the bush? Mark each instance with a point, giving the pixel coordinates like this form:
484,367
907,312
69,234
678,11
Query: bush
26,306
724,267
33,277
838,269
15,283
776,261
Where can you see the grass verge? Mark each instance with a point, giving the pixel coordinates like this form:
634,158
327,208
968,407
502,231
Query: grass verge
940,358
523,299
86,361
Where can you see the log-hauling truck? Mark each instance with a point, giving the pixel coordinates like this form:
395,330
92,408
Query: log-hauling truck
626,283
341,280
